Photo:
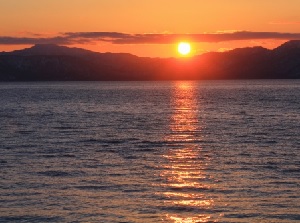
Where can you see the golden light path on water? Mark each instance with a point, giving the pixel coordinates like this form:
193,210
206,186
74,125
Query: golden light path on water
184,172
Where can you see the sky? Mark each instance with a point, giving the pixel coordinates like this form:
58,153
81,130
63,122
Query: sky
148,28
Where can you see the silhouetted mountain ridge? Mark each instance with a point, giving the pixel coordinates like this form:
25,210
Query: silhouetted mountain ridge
290,45
46,62
50,50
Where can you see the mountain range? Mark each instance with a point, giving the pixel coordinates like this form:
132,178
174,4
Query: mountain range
48,62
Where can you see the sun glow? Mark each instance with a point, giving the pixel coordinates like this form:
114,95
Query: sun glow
184,48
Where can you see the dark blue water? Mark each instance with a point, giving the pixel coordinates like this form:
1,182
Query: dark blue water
180,152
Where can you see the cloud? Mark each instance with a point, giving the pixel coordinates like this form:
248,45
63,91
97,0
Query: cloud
284,23
207,37
96,35
70,38
8,40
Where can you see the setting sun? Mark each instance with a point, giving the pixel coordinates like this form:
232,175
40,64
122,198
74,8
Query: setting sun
184,48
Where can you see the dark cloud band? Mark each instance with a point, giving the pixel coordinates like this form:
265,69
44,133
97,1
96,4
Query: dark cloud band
70,38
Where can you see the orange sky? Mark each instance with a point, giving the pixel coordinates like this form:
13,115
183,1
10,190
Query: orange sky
256,22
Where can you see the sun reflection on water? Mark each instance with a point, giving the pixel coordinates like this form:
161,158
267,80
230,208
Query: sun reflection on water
199,218
184,171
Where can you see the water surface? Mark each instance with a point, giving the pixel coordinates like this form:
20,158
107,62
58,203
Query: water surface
178,152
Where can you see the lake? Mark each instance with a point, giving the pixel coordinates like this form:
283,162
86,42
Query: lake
175,152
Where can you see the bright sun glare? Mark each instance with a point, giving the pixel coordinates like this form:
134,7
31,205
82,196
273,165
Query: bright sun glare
184,48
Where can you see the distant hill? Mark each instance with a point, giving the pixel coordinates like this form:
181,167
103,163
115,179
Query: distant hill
47,62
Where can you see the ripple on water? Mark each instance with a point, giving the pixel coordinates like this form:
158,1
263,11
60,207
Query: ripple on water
174,152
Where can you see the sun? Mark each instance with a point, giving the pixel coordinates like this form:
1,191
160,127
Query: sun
184,48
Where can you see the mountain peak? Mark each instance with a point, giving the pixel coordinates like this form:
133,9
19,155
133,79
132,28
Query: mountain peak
51,50
48,45
290,45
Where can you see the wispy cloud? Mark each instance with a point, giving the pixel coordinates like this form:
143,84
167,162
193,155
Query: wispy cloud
70,38
284,22
9,40
207,37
